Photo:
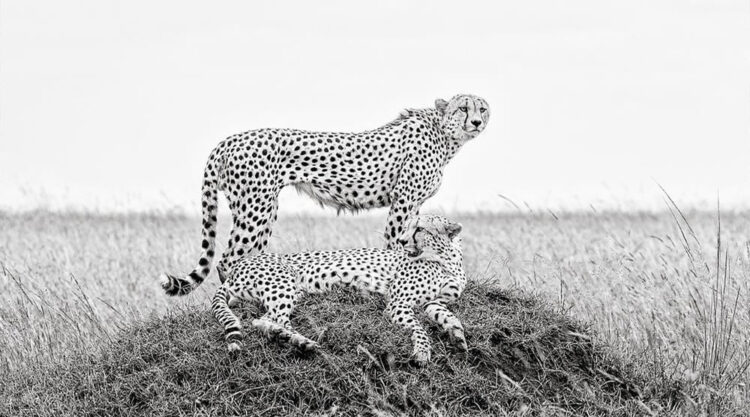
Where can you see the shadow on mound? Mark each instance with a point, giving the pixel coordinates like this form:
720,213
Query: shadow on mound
523,358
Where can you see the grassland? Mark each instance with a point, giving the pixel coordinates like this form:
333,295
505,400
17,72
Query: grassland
659,289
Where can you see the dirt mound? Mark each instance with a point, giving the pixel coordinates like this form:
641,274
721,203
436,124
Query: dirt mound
523,358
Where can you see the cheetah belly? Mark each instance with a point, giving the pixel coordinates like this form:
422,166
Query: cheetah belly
366,269
372,196
343,171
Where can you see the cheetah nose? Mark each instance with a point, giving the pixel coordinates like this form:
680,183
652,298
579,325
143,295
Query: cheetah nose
476,123
401,241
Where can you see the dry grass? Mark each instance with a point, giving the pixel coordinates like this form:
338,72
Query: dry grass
656,287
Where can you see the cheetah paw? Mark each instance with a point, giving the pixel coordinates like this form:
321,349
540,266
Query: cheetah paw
302,342
457,338
267,327
461,344
421,357
310,347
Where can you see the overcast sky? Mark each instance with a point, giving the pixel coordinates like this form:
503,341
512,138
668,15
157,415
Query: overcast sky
116,105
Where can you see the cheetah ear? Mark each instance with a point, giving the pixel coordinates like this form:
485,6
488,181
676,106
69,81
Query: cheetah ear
441,105
453,229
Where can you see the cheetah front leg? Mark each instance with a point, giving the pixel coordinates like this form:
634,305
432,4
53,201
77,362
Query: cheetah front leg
416,183
402,314
447,321
400,211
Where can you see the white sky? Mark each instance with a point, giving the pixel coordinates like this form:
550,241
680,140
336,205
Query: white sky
116,105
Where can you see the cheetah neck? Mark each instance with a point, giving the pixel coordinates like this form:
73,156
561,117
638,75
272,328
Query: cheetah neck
453,263
451,148
431,118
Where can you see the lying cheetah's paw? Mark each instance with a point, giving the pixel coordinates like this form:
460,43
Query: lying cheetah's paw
302,342
457,338
421,357
310,346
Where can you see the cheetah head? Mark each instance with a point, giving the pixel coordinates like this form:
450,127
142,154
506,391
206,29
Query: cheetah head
429,237
464,116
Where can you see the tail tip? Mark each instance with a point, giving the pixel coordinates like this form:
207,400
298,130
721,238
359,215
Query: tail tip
164,281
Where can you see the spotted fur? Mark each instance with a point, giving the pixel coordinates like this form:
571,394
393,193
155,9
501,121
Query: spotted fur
428,272
399,165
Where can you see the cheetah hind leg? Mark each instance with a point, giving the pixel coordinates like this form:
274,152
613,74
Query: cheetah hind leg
223,276
225,316
273,329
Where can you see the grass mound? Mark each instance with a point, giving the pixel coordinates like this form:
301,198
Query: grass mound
523,358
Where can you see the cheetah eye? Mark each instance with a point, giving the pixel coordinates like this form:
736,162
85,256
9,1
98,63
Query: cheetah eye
419,229
463,109
482,110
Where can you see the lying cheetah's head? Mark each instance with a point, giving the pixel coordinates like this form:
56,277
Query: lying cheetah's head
430,236
464,116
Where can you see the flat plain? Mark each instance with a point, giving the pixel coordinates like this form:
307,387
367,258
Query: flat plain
668,288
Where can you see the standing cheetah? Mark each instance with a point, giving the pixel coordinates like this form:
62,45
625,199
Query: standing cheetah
399,164
427,272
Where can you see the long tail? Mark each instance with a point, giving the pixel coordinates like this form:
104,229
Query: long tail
209,197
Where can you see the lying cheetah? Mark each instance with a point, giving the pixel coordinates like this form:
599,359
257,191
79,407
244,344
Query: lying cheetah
428,272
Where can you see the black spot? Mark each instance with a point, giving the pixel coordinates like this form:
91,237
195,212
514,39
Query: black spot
196,277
